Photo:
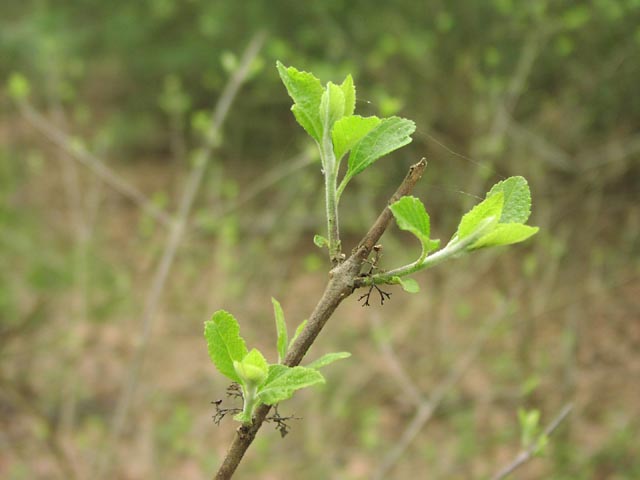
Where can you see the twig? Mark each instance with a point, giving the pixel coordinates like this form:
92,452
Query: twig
426,408
97,166
299,162
341,284
526,454
175,236
392,362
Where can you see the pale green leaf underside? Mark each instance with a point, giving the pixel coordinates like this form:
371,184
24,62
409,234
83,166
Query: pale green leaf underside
224,343
327,359
489,207
409,285
505,234
281,328
389,135
349,91
306,91
331,106
283,381
350,130
517,199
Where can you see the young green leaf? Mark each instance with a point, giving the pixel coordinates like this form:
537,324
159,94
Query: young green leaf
517,199
283,381
327,359
389,135
349,91
298,332
224,343
489,207
409,285
252,369
320,241
529,425
411,216
350,130
281,328
505,234
331,106
306,91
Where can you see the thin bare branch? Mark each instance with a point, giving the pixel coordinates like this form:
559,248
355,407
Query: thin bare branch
342,282
301,161
393,363
65,142
528,453
425,410
173,241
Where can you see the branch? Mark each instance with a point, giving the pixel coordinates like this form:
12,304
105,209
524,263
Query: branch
65,142
427,407
372,237
341,284
526,454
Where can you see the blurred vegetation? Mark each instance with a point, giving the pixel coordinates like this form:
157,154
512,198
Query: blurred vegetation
544,89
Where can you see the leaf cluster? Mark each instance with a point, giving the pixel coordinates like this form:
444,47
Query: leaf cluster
328,113
496,221
260,381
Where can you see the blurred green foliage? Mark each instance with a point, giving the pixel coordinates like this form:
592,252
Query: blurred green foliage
445,63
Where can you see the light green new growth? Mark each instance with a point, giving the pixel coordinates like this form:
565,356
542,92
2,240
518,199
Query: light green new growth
389,135
225,343
497,220
260,382
297,333
411,216
489,208
327,115
531,435
348,131
283,381
281,330
327,359
306,92
517,199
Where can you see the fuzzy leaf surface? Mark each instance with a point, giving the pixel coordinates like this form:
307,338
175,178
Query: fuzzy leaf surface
489,207
389,135
253,368
517,199
348,131
328,359
411,216
281,329
224,343
306,91
283,381
298,331
331,106
349,91
505,234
